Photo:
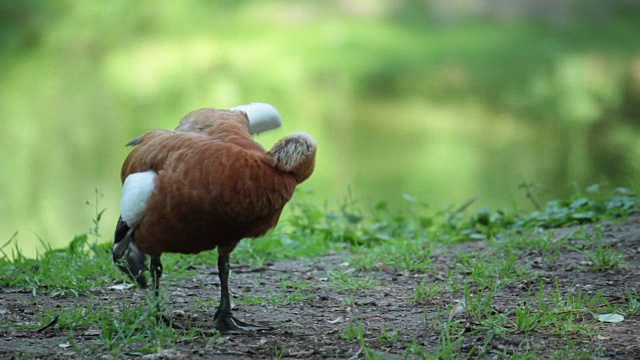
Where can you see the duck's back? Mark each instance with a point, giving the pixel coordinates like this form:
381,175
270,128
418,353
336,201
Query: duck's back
207,192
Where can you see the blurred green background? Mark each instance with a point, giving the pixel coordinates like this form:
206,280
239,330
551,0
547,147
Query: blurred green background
439,99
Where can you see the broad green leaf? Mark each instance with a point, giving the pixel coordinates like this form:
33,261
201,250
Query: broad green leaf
612,318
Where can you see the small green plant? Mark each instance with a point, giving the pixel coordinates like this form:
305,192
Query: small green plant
399,253
279,351
126,327
527,319
453,282
355,330
215,339
426,292
603,257
479,304
633,302
449,342
345,280
347,302
573,309
95,230
487,273
388,335
544,242
287,284
572,350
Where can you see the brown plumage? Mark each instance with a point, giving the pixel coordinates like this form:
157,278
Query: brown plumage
213,185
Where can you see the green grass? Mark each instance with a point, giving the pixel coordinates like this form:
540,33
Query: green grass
601,256
374,240
79,267
484,272
426,292
349,280
120,325
354,331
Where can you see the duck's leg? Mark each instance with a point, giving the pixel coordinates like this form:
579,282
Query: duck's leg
224,321
155,269
156,272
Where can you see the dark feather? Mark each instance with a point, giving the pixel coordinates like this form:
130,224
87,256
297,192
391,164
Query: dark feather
121,230
126,254
134,142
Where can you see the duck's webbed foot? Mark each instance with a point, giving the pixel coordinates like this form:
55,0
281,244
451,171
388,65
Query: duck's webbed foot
224,322
228,324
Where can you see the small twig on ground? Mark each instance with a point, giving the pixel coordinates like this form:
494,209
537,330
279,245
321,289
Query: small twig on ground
571,311
355,356
302,354
50,324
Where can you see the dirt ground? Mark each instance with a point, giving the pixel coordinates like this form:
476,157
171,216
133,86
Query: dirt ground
314,328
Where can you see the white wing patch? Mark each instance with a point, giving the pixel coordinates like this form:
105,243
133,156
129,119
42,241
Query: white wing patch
136,191
262,116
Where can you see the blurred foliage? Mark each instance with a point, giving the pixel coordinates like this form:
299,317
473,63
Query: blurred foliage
418,222
583,207
402,238
433,98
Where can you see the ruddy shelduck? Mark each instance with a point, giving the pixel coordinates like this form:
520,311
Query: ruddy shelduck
207,184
